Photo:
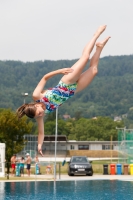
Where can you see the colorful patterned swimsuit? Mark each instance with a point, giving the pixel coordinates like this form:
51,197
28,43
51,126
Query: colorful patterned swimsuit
54,97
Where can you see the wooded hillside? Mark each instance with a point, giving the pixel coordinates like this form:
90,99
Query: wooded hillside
110,94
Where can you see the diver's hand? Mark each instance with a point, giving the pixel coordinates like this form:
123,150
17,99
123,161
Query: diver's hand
66,71
40,150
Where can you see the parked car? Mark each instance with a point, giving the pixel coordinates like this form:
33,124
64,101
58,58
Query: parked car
79,165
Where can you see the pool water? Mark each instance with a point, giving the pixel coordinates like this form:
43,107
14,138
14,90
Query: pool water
64,190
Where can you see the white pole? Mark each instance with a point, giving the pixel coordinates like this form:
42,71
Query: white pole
56,132
24,95
2,159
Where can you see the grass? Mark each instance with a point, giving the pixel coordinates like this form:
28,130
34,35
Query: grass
104,161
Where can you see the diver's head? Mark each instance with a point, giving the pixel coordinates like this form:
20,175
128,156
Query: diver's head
31,110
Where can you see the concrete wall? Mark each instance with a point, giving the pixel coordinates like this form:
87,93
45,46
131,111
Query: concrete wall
95,147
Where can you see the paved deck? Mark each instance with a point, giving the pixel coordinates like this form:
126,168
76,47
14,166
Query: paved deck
98,177
69,178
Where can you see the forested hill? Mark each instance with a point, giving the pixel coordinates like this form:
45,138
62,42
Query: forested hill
110,94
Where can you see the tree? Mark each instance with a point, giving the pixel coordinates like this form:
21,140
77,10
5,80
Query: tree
50,117
12,131
50,126
100,128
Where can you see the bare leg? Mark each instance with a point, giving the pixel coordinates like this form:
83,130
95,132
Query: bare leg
28,172
87,77
13,172
81,63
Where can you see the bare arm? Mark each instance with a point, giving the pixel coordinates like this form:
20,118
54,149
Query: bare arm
42,83
40,133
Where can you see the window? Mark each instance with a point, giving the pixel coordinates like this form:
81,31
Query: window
83,147
107,147
79,160
71,147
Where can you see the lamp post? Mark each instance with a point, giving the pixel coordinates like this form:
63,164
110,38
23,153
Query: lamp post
56,133
24,95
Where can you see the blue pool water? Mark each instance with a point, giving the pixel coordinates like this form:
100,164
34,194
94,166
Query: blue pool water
64,190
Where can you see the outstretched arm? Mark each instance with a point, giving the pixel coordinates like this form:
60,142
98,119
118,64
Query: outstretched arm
40,124
42,83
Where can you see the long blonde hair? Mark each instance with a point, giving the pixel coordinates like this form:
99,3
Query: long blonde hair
27,109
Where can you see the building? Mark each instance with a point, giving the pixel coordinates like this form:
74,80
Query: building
64,146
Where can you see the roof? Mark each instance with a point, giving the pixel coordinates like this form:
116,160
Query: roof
52,138
66,116
79,156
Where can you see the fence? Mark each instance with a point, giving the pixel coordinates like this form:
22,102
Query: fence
125,145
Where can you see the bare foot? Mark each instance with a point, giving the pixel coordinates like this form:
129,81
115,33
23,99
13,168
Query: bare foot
102,44
100,30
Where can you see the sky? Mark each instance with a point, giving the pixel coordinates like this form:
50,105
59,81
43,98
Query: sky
33,30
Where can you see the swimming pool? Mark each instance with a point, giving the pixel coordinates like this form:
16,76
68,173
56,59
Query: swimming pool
65,190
